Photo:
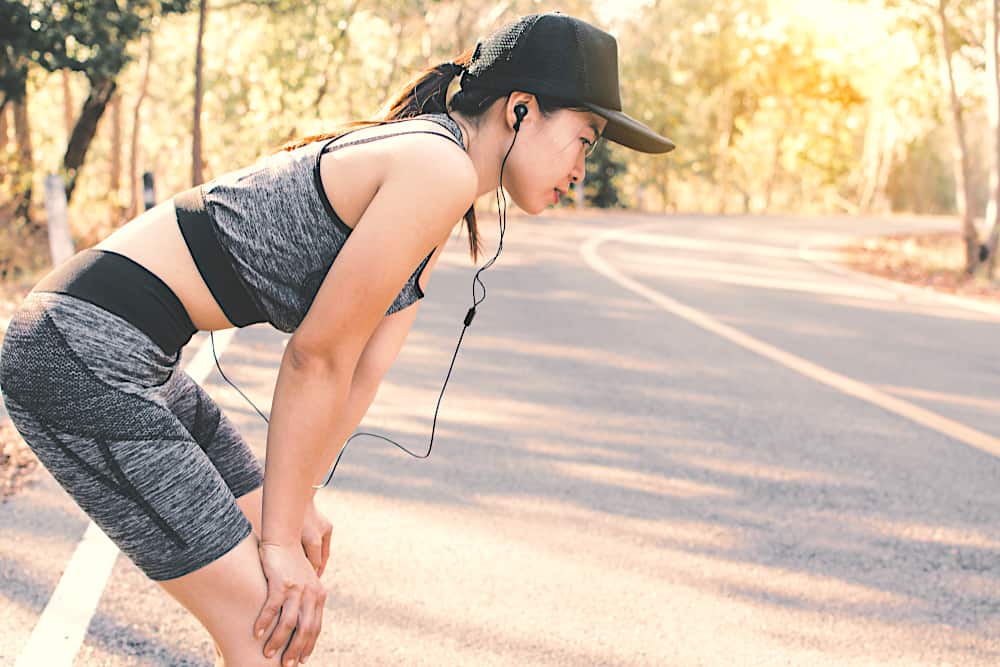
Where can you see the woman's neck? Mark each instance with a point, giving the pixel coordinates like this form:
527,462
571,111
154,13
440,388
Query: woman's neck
483,144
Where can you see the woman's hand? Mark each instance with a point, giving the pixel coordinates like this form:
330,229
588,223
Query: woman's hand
316,532
294,590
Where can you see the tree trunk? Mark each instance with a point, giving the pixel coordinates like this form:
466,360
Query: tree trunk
385,88
880,201
339,42
101,90
993,99
349,96
775,163
23,173
871,157
667,204
960,156
115,181
464,23
135,184
726,128
67,104
196,165
3,135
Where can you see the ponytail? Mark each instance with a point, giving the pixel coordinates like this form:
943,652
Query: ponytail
427,92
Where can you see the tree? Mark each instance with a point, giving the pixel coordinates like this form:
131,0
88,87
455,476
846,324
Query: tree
15,25
115,179
603,169
993,100
961,152
196,156
88,36
135,185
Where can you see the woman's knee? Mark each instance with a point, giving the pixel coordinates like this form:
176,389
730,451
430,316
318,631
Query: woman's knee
225,596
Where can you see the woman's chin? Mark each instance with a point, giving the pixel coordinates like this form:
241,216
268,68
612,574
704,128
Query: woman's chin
535,208
531,207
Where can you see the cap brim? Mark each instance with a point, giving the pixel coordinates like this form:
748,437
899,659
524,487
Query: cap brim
627,131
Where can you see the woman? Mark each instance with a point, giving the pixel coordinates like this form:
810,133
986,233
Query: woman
316,241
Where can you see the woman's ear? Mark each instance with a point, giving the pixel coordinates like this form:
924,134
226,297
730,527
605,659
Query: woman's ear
511,112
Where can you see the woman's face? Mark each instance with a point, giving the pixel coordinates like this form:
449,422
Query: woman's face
548,155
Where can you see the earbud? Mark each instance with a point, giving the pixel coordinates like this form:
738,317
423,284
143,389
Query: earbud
520,111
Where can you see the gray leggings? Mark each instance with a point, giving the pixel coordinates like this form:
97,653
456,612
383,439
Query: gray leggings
140,446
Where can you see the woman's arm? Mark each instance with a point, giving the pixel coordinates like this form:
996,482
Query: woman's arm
378,356
412,210
376,359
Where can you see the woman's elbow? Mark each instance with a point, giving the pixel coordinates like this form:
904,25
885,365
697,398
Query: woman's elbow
310,359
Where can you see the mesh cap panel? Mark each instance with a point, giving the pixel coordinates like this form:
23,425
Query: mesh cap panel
497,48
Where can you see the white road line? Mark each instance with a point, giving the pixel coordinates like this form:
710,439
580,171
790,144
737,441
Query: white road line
59,633
808,252
956,430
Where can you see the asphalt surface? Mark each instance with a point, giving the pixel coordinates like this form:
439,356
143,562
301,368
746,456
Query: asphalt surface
612,484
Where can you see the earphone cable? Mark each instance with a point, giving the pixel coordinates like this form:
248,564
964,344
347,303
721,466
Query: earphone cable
467,322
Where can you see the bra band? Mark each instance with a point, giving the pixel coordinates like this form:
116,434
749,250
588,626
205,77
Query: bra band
212,260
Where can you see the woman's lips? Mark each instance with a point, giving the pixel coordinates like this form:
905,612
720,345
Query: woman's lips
555,196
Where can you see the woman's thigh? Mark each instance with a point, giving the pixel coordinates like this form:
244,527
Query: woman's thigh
215,434
147,454
91,396
222,443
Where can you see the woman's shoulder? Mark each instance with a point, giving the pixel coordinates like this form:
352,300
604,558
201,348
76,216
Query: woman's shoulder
434,165
408,145
446,122
433,169
414,128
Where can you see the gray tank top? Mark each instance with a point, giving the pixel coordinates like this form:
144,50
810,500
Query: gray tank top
279,228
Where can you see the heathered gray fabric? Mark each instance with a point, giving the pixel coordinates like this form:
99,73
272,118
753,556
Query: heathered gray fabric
273,220
140,446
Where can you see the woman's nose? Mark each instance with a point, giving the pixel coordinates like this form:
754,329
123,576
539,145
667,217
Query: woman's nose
579,169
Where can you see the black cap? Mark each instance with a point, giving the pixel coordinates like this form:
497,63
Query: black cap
560,56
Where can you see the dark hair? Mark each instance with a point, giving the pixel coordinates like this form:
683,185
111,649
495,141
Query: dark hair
427,92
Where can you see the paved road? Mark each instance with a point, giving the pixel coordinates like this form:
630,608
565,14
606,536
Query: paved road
617,480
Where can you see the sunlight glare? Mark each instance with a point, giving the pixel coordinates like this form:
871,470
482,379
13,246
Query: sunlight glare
614,11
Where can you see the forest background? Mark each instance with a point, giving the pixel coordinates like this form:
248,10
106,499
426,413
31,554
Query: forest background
777,106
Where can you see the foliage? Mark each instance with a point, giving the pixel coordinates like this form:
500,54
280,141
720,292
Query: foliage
775,105
601,184
88,36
